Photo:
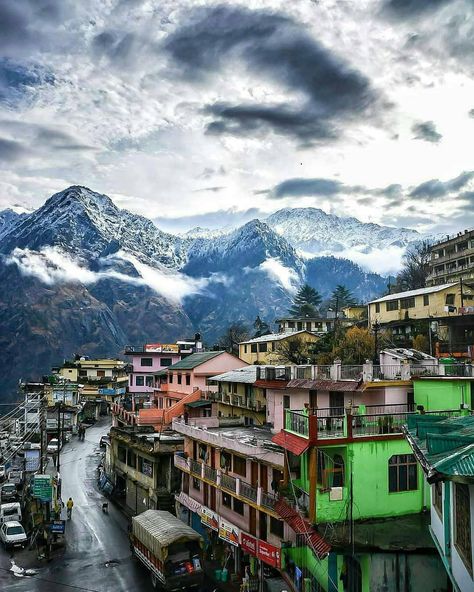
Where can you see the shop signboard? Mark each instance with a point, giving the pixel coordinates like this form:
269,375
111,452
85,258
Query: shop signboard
57,526
111,391
248,544
43,487
209,518
229,533
268,554
32,460
162,348
188,502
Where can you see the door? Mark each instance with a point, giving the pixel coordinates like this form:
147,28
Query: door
411,401
252,521
264,477
254,474
313,399
213,457
262,530
336,403
206,494
213,498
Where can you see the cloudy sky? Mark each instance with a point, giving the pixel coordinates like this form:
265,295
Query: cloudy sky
213,112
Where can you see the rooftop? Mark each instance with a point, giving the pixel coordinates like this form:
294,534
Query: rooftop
401,353
195,360
419,292
275,336
247,374
443,447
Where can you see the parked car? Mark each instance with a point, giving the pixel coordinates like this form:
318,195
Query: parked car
52,447
3,473
12,534
9,492
104,440
15,476
9,512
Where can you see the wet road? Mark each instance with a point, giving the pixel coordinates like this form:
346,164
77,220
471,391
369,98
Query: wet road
93,538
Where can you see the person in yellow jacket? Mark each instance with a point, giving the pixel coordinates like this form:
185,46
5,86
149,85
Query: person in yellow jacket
69,506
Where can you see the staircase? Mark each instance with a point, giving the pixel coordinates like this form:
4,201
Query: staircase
164,417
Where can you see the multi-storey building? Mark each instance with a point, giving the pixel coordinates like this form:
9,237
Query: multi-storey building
264,349
443,312
444,449
140,467
453,260
318,325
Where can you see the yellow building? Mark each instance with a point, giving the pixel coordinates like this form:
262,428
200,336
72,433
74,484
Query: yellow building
264,350
354,312
435,302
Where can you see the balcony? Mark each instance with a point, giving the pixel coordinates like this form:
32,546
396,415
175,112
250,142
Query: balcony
297,422
233,485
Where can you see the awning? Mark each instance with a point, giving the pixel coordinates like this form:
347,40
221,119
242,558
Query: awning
301,526
291,442
201,403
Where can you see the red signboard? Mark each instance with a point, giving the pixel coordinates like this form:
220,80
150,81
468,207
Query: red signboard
269,554
248,544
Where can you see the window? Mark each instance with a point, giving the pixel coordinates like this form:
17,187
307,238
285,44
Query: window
131,459
392,305
450,299
226,500
188,379
139,381
253,348
276,527
286,401
245,348
438,498
179,378
402,473
462,523
240,465
149,380
196,484
145,466
407,302
377,307
146,362
171,377
426,299
122,454
291,324
101,373
166,362
238,506
225,460
263,347
83,373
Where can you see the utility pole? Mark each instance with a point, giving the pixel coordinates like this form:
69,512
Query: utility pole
59,434
376,329
462,294
42,432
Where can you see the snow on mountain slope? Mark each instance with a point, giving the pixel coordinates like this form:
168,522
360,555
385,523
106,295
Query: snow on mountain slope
8,219
313,231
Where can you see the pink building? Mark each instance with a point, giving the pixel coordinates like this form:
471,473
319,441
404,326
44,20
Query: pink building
193,373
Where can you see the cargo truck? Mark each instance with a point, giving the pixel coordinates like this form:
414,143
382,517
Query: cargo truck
169,549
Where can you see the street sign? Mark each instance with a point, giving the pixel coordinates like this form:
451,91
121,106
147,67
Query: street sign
57,526
43,488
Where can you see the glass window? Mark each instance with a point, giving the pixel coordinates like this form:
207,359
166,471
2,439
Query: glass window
450,299
239,465
263,347
392,305
276,527
131,459
245,348
402,473
286,401
238,506
122,454
462,523
146,362
139,381
171,377
407,302
149,381
253,348
377,307
438,498
166,361
179,378
188,379
145,466
226,500
291,324
426,300
196,484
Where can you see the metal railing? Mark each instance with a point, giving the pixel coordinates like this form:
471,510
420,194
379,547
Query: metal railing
351,372
331,426
247,491
210,474
422,370
297,421
229,483
378,424
195,467
322,372
268,500
303,372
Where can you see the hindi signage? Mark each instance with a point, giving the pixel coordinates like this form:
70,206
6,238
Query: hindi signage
268,554
209,518
229,533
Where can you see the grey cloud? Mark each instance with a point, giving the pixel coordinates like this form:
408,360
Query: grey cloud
10,150
435,188
274,46
426,131
302,187
44,136
210,189
413,8
212,220
471,113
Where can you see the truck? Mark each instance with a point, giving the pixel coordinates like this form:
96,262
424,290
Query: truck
169,549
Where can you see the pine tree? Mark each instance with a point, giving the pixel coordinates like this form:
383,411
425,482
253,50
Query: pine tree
342,297
306,302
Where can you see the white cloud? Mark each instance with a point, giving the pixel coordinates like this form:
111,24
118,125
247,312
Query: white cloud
277,272
52,266
385,262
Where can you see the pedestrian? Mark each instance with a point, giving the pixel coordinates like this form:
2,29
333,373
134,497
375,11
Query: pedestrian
69,506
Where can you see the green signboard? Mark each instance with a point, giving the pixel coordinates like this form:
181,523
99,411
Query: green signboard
43,488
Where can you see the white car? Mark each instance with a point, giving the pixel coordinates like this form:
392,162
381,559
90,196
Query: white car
12,534
52,447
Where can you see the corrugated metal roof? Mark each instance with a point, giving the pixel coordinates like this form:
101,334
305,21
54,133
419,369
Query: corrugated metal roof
275,336
202,403
247,375
326,385
194,360
295,444
419,292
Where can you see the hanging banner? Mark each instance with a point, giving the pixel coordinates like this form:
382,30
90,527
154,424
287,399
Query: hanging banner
269,554
229,533
188,502
248,544
209,518
32,460
161,348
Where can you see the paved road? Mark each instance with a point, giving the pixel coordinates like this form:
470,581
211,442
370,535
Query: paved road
93,538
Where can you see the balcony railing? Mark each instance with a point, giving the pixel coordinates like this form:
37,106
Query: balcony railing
268,500
351,372
228,482
378,424
181,462
248,492
297,421
210,474
322,372
195,467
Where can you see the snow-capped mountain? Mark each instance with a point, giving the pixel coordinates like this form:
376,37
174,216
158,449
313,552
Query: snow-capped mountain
313,231
8,218
80,275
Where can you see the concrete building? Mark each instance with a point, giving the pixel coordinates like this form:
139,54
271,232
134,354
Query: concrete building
264,350
453,259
